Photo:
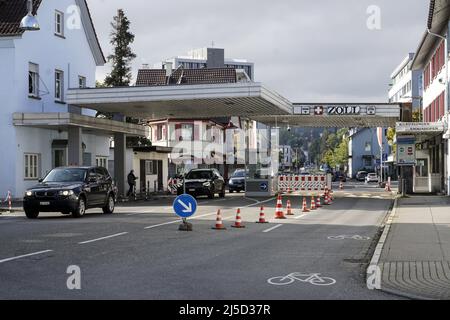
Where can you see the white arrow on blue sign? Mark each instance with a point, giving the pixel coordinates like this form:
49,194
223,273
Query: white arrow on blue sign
185,206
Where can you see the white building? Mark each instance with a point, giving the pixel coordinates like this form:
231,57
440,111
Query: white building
39,129
208,58
406,84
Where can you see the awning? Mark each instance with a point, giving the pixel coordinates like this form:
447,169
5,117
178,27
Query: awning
88,124
184,101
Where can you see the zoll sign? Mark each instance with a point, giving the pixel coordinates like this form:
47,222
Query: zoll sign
410,127
343,110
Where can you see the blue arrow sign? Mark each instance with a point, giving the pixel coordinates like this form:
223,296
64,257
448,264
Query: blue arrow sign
185,206
263,186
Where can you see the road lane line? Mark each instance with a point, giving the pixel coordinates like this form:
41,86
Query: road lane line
163,224
24,256
273,228
301,216
104,238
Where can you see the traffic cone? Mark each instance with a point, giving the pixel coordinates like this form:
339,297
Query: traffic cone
9,202
219,224
304,207
238,223
313,204
330,197
326,199
279,209
262,217
289,208
341,186
318,203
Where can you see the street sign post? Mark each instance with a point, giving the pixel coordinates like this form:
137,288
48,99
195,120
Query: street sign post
185,206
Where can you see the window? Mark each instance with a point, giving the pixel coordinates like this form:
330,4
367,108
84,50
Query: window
149,167
31,166
368,147
160,132
187,132
59,23
101,161
33,80
59,85
81,82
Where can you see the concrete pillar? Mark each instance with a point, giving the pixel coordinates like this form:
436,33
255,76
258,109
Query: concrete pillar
75,152
120,158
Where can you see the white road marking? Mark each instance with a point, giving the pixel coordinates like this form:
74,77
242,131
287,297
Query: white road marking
301,216
104,238
24,256
273,228
163,224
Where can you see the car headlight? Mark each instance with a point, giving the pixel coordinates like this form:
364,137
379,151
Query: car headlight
66,193
231,182
206,184
29,193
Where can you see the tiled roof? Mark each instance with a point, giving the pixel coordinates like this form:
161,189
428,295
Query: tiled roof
151,77
11,13
157,77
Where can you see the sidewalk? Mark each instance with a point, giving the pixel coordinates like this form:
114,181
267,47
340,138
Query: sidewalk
415,260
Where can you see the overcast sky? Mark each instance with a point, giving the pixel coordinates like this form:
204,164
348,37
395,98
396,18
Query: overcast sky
308,51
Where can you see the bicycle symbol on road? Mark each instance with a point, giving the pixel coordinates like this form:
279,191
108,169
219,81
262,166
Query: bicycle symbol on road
312,278
355,237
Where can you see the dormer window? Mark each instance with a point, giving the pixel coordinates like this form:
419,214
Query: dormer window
59,23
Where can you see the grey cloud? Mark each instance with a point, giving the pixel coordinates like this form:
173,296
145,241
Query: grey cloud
307,51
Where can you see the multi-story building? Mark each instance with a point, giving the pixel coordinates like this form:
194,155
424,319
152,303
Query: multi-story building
365,152
39,130
406,84
431,172
286,157
208,58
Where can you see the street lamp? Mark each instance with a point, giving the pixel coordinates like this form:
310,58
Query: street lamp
29,22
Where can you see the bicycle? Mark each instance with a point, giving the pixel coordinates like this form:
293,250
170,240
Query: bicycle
355,237
312,278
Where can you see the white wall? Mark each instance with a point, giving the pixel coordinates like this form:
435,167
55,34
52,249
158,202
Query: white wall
71,55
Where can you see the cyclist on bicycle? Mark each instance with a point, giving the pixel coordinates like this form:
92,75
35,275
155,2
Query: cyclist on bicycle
131,182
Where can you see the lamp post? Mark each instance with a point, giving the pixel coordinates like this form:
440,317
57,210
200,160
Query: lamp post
29,22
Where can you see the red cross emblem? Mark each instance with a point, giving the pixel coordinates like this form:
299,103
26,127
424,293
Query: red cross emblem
318,111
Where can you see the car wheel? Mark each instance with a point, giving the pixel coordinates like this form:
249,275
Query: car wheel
31,214
81,209
109,208
231,191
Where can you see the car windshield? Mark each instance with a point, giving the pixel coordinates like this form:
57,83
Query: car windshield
238,174
66,175
198,175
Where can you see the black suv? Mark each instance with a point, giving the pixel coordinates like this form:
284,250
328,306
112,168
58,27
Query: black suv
203,182
71,190
237,181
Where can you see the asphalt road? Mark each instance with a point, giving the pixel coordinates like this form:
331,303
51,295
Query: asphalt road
138,252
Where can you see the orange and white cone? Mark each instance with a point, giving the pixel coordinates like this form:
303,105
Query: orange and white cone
279,209
262,217
330,197
238,223
318,203
326,199
304,206
219,224
313,204
9,202
341,186
289,208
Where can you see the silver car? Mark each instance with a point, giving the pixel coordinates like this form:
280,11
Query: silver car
372,177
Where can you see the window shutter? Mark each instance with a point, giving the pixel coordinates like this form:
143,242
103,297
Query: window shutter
196,132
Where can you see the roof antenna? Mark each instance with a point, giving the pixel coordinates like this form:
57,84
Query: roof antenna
29,22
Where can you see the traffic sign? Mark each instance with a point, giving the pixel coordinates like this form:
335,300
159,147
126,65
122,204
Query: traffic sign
263,186
185,206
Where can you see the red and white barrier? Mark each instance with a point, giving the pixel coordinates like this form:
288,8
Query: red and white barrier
304,183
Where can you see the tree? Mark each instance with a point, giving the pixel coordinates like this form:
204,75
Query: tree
121,39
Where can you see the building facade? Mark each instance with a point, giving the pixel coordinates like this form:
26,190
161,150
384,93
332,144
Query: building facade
365,152
40,130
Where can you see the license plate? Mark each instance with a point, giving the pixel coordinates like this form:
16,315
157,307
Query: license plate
44,203
192,190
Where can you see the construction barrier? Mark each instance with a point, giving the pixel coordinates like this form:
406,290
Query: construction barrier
174,184
303,184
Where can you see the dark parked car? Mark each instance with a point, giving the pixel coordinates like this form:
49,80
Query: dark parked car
71,190
203,182
361,175
339,176
237,181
